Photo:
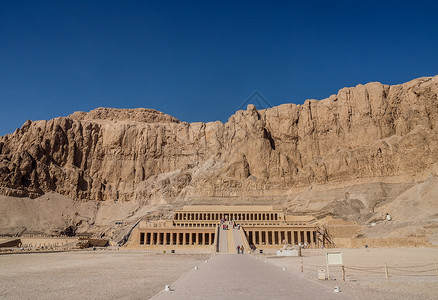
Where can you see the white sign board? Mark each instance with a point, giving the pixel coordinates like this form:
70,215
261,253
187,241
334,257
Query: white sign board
334,258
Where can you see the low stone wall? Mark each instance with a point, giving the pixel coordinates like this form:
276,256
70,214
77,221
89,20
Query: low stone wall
381,243
342,231
49,242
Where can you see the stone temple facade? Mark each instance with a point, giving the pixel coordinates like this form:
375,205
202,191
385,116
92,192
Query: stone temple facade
199,227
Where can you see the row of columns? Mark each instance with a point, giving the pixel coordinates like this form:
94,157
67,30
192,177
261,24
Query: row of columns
230,216
176,238
196,224
275,237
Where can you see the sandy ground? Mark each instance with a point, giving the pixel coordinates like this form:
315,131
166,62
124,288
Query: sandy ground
412,273
137,274
91,274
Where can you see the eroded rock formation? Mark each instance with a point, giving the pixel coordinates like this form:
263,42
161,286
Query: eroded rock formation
368,131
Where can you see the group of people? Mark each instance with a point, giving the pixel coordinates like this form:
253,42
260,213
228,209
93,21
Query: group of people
240,249
225,226
305,245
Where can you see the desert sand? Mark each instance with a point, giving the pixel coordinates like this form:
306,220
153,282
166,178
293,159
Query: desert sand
91,274
412,273
141,275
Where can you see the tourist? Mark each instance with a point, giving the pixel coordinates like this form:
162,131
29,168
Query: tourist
238,249
241,249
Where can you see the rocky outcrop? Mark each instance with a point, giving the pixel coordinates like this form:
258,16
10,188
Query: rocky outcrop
368,131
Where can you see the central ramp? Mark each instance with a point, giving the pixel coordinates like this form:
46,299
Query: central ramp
229,276
229,240
223,241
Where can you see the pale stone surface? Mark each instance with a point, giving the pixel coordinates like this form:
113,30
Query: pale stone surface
232,276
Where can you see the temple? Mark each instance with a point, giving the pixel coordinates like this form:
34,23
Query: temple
199,227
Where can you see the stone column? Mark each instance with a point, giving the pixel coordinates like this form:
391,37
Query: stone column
142,234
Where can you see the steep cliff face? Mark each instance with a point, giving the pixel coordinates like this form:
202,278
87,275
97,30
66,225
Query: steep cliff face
368,131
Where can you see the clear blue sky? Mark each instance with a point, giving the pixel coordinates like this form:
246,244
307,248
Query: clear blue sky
200,60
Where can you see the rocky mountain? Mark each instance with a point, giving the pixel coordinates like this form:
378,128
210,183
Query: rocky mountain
368,134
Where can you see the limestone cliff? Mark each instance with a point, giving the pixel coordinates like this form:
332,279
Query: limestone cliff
365,132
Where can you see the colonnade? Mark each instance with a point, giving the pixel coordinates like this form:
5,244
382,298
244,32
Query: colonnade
176,238
208,216
278,237
195,224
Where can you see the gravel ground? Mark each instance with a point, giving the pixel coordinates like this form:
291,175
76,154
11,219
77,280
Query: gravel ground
91,274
